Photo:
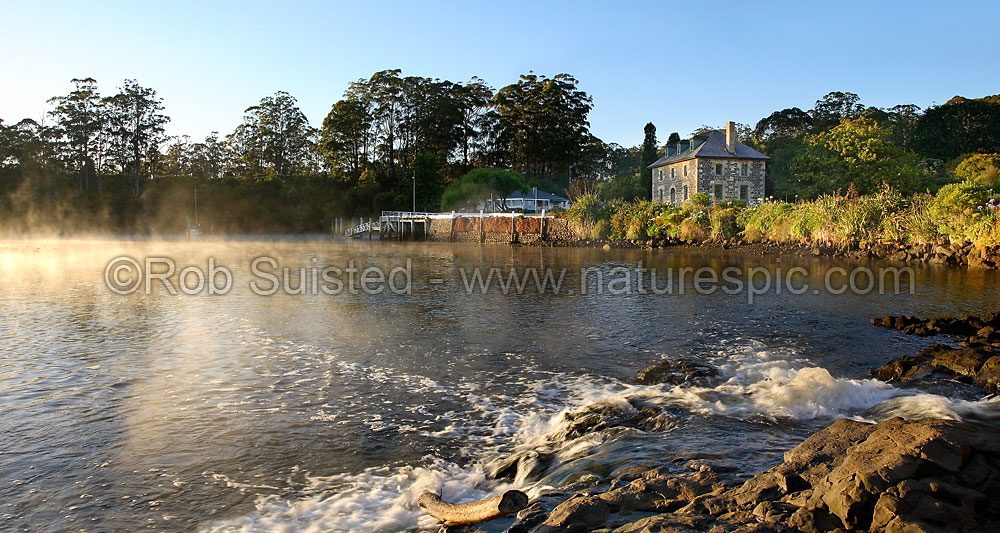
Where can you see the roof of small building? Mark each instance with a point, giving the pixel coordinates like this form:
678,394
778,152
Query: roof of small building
714,147
541,195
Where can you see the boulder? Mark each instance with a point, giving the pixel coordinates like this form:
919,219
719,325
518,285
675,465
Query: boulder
677,371
577,514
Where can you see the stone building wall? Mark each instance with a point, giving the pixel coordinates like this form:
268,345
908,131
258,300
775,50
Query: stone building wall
731,178
663,182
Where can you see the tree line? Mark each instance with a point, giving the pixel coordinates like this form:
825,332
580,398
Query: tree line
841,144
110,155
105,162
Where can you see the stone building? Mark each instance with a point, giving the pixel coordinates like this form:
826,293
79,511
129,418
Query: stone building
718,165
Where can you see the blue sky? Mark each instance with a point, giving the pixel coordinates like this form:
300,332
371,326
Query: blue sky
677,64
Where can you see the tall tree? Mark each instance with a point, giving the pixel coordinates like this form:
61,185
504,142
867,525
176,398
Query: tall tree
857,151
346,136
834,107
648,158
136,123
473,103
275,137
542,125
80,120
791,122
958,127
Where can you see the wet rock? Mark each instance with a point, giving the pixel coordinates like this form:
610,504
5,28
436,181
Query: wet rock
931,475
678,371
968,362
577,514
963,361
601,417
989,375
530,464
664,523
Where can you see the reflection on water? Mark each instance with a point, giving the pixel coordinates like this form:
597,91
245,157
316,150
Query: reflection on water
239,411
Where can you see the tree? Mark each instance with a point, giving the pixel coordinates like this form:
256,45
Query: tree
834,107
983,168
426,168
346,135
903,119
275,137
960,127
473,103
648,158
135,121
674,138
859,152
791,122
542,125
80,119
479,184
385,91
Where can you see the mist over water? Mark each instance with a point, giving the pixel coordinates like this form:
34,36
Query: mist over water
317,412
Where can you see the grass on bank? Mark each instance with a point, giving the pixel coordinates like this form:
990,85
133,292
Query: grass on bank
959,212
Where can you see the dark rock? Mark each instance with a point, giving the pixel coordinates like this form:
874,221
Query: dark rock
963,361
664,523
931,475
989,375
577,514
677,371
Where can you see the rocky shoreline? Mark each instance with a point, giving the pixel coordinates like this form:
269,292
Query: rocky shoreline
955,254
976,359
896,476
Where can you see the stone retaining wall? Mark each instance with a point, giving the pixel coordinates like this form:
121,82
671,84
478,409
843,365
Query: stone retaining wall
500,230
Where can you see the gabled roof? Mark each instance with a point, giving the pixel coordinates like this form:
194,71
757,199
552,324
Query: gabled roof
714,147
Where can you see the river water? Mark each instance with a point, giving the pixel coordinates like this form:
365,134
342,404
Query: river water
332,412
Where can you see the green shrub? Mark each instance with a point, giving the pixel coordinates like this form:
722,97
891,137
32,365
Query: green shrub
958,208
982,168
668,223
698,204
724,222
600,230
585,208
631,220
693,231
766,222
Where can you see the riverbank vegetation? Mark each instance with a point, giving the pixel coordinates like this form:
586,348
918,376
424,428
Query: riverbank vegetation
957,213
104,163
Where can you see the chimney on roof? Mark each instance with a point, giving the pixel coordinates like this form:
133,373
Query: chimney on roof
731,137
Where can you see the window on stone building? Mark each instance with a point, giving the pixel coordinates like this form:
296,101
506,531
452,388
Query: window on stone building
673,195
744,192
717,191
743,169
661,195
685,193
685,169
671,173
718,169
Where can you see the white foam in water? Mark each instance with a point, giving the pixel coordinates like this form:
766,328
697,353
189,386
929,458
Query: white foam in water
376,500
753,382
